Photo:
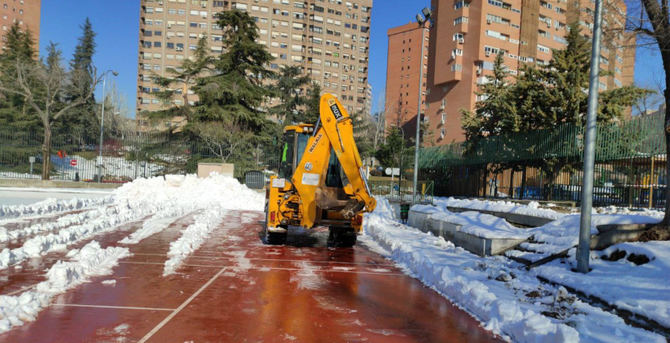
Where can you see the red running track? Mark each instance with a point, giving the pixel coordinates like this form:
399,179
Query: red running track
235,289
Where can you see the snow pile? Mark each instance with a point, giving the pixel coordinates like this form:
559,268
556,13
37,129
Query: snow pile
532,209
507,299
616,278
150,226
60,223
475,223
88,262
171,196
192,237
50,206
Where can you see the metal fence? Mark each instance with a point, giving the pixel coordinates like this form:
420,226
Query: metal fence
121,159
546,165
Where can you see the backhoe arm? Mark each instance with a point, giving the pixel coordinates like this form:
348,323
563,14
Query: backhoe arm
336,131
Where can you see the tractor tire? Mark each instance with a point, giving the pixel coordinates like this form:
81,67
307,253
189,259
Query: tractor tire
272,238
341,237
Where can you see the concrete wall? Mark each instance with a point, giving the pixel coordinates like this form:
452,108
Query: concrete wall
225,169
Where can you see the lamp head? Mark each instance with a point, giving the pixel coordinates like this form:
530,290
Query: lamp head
426,12
419,19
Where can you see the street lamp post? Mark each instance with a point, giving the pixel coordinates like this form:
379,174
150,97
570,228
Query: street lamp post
583,249
102,122
422,22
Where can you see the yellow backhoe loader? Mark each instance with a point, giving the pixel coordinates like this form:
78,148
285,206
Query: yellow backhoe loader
321,180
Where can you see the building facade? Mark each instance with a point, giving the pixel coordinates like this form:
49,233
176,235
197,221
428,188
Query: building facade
26,13
466,36
328,39
403,68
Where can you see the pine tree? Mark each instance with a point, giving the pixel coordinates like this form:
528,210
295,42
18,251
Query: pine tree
19,48
496,114
82,122
236,92
181,79
312,114
290,84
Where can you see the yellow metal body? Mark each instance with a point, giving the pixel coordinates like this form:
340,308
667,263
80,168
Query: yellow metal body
305,200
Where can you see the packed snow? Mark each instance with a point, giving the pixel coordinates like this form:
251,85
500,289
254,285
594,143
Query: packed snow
642,289
531,209
507,299
475,223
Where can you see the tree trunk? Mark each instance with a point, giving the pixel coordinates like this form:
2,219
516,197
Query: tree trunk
665,56
511,183
523,183
46,152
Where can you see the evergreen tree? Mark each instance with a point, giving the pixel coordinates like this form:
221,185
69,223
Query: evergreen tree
364,131
496,114
289,86
83,121
235,92
19,48
396,151
183,78
313,102
233,95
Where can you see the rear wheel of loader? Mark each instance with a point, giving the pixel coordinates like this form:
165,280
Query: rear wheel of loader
272,238
341,237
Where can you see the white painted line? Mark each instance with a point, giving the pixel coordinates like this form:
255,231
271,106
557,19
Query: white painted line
21,290
264,268
117,307
275,259
181,307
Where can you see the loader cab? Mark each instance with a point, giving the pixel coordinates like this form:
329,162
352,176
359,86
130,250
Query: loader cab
293,146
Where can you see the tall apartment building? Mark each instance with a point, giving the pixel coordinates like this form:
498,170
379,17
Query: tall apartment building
403,67
328,39
467,35
26,13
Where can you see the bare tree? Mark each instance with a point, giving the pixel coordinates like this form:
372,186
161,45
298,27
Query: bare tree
223,139
42,85
653,26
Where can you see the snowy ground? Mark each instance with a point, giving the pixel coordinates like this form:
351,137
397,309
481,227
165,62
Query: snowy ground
497,291
26,196
512,301
158,201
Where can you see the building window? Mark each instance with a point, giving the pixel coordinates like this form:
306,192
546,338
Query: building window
460,20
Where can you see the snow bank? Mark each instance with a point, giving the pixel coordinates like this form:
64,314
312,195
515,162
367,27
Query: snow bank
643,289
172,196
507,299
532,209
440,265
50,206
475,223
88,262
192,238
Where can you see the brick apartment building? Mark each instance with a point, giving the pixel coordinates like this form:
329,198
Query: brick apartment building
328,39
402,75
24,12
467,35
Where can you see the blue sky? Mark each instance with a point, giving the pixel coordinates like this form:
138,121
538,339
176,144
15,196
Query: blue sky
116,23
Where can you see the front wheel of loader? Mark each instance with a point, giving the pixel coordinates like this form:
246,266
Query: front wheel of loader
341,237
272,238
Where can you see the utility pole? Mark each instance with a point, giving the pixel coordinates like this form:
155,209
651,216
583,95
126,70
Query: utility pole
583,249
422,23
102,122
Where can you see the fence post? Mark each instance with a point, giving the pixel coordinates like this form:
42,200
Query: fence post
651,184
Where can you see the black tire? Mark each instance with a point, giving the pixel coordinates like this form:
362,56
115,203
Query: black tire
341,237
272,238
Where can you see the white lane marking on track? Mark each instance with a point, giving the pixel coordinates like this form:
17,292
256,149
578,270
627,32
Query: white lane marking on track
20,290
275,260
265,268
181,307
117,307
